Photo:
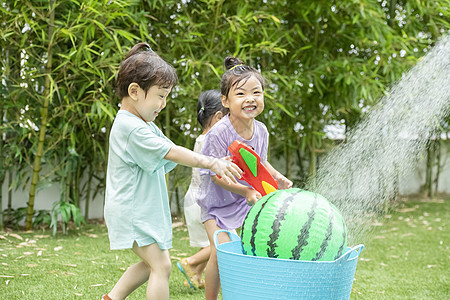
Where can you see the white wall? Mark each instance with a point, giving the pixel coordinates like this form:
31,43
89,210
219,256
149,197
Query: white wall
409,184
46,197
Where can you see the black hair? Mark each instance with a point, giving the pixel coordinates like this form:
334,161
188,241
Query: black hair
146,68
237,71
208,104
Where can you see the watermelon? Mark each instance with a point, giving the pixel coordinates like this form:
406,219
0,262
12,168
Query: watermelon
294,224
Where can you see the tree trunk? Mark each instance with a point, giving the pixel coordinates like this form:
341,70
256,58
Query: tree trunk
438,165
288,161
167,134
88,194
177,197
2,225
105,165
313,158
429,171
48,94
392,5
2,174
9,213
68,181
301,169
76,184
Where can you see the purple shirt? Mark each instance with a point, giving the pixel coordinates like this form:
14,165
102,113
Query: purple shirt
227,208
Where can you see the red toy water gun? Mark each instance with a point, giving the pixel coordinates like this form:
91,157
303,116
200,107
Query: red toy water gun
254,172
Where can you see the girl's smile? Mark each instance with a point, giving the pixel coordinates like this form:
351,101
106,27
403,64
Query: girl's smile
250,108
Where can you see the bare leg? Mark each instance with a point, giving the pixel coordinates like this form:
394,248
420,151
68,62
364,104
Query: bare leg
201,267
154,267
134,277
197,264
212,280
160,266
198,261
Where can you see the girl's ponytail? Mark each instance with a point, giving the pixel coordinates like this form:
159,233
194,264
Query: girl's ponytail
231,62
139,48
209,103
201,111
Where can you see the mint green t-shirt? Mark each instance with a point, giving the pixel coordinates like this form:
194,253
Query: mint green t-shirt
136,200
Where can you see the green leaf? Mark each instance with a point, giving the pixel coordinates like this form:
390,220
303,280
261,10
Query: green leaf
284,109
276,20
126,34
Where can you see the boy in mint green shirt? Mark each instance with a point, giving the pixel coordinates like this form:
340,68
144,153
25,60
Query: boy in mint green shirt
137,210
137,207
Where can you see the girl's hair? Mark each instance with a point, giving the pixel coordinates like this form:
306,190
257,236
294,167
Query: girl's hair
146,68
237,71
208,104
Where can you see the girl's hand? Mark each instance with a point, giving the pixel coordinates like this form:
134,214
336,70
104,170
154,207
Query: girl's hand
223,167
252,196
283,183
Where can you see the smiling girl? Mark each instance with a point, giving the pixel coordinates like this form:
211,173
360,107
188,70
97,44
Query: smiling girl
224,205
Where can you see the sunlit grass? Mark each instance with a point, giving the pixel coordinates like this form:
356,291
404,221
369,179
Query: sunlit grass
75,266
407,258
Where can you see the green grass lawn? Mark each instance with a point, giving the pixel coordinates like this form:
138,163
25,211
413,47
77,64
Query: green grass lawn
408,255
406,258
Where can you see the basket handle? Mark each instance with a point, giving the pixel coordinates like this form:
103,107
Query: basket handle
346,255
233,236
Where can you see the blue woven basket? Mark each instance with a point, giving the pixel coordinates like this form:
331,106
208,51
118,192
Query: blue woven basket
252,277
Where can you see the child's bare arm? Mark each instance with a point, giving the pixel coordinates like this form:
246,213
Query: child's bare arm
283,182
222,167
249,193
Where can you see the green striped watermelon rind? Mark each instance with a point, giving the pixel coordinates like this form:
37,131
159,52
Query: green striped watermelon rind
294,224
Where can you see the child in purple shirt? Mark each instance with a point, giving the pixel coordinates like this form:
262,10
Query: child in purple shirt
227,208
225,205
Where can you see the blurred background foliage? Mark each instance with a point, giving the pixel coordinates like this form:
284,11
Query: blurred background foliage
326,63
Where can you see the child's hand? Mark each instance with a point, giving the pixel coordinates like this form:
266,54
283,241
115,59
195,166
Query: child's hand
283,183
252,196
223,167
